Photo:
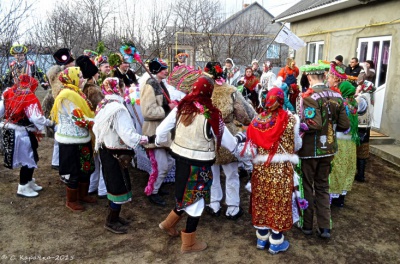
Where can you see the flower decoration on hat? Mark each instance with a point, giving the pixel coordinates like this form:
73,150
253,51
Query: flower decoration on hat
181,55
100,60
314,69
214,69
90,53
337,71
18,49
130,53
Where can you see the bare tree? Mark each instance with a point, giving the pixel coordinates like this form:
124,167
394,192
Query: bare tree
11,18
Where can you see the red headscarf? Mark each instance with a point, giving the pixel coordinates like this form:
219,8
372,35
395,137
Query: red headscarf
199,102
19,97
267,128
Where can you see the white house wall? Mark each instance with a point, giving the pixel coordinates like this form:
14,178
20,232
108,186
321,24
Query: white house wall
340,32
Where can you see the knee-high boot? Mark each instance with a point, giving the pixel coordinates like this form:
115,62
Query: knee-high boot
113,222
83,193
72,200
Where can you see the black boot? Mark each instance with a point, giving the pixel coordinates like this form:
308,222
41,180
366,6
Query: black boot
113,224
360,177
339,202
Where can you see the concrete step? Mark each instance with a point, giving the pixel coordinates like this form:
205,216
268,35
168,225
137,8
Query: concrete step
390,153
381,140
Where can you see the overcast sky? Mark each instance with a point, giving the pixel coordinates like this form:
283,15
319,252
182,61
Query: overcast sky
275,7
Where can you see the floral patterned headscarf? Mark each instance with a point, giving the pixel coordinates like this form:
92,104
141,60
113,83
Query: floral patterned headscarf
110,86
70,76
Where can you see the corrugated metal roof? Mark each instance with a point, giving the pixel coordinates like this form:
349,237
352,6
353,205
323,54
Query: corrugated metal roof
304,5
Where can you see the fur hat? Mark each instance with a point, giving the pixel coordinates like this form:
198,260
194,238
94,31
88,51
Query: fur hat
18,49
63,56
87,67
156,65
254,61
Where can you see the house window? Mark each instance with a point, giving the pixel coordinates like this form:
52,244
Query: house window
315,51
273,51
376,49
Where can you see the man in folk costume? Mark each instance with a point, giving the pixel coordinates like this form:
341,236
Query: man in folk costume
116,138
365,100
275,134
90,73
322,113
234,108
194,118
102,63
64,59
23,120
156,104
23,66
72,112
121,64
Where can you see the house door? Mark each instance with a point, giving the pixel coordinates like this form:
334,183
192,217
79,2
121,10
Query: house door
376,49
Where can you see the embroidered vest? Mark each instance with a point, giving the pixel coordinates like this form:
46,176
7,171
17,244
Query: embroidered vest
194,141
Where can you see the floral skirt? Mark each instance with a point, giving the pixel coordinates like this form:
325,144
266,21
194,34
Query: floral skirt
76,159
344,167
271,197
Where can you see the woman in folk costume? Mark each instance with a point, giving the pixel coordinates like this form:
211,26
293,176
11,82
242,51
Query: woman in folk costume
275,133
344,163
74,117
116,138
365,100
250,86
195,117
23,119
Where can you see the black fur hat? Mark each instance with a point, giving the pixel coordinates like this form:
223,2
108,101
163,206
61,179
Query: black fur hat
87,66
63,56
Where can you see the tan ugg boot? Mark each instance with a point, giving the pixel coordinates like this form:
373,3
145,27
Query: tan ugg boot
83,193
168,225
189,243
72,200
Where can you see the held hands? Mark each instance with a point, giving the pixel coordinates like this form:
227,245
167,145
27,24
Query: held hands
144,140
240,137
173,104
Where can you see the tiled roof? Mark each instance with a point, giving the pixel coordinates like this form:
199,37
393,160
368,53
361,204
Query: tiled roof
304,5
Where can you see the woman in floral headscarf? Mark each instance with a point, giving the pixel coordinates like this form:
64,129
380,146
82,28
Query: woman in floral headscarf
195,117
73,115
344,163
275,133
116,138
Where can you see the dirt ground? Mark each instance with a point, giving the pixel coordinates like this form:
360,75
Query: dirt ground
366,230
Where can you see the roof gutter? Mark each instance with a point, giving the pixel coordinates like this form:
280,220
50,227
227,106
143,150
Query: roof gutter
310,11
